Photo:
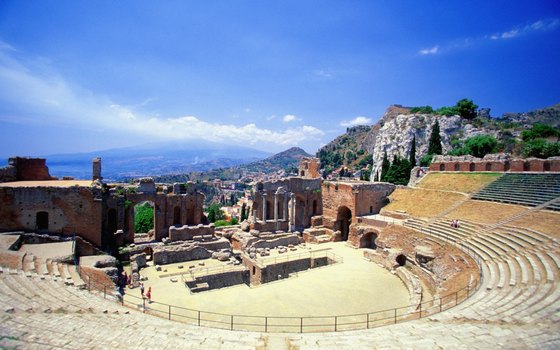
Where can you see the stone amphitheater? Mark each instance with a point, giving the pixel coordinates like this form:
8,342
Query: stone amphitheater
514,236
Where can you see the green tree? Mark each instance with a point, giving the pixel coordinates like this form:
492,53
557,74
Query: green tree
143,218
481,145
215,212
422,110
539,131
385,165
243,212
412,154
426,160
466,108
434,144
540,148
399,171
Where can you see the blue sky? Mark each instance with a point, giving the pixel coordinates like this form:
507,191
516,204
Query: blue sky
80,76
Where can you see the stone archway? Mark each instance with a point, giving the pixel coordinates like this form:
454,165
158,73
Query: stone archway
343,221
368,240
401,259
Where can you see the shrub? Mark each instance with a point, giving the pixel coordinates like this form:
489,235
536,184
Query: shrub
426,160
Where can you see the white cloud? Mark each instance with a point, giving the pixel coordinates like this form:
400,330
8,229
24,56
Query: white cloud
540,25
35,90
430,51
269,118
464,43
325,74
356,121
289,118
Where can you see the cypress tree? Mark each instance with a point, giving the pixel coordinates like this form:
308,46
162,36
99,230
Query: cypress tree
434,145
243,212
385,165
412,157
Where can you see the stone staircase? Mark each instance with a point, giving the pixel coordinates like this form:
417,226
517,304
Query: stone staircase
523,189
521,271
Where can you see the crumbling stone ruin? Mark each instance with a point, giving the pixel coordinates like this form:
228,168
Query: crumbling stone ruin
32,201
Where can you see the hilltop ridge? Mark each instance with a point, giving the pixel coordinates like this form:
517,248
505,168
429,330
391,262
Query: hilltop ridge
363,145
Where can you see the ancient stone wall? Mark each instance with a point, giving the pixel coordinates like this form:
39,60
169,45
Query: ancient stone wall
363,236
494,163
187,233
309,168
294,200
62,210
361,198
25,169
174,254
221,280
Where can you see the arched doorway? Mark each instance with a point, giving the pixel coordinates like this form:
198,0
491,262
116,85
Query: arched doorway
401,259
368,240
42,220
144,217
343,220
176,216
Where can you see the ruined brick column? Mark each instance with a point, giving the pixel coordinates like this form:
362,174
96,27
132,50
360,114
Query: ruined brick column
276,210
264,195
293,213
96,163
285,214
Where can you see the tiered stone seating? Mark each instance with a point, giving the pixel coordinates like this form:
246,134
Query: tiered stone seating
520,271
524,189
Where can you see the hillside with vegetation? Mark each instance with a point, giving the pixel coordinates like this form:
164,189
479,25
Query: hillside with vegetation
408,136
286,161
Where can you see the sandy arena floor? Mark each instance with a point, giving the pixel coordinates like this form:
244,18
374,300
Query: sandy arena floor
354,286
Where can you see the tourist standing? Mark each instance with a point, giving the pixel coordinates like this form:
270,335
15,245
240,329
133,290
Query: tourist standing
149,294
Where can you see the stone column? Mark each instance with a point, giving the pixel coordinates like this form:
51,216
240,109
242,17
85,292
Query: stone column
285,213
264,207
293,209
276,211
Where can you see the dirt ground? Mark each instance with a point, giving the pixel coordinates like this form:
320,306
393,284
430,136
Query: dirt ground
460,182
422,202
485,212
353,286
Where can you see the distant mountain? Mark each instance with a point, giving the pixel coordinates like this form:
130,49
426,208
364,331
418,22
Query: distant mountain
153,159
287,159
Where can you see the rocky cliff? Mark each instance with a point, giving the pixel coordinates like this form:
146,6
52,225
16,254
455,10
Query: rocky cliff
394,132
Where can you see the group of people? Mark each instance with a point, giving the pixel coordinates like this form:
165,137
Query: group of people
126,280
455,223
148,294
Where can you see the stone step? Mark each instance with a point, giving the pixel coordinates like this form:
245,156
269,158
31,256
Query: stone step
535,267
75,276
29,263
524,269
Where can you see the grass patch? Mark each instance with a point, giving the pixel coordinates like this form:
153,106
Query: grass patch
459,182
422,202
